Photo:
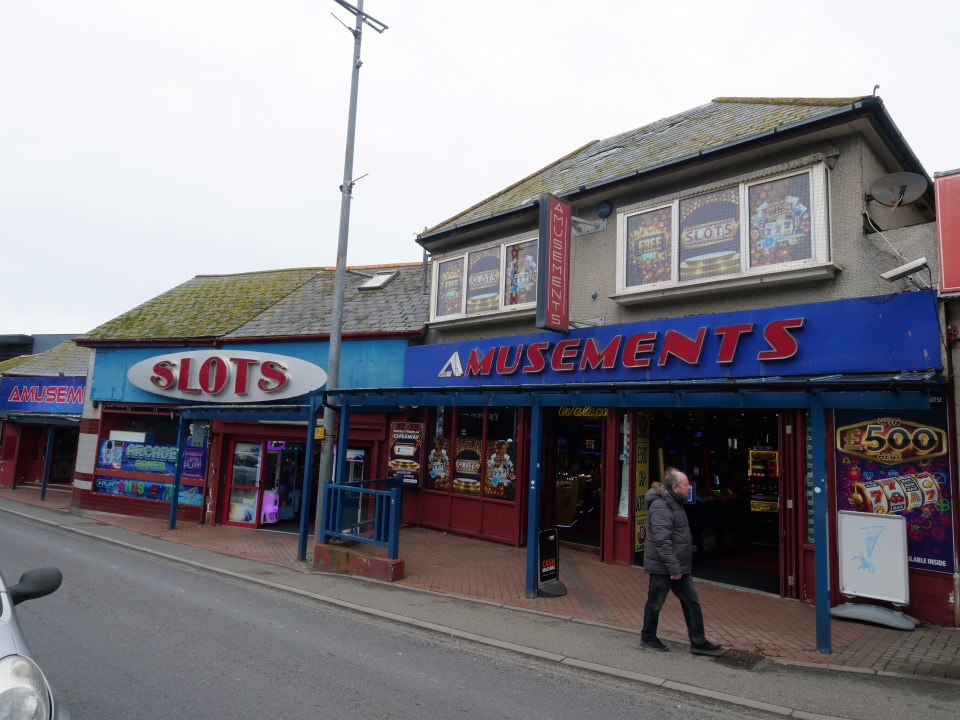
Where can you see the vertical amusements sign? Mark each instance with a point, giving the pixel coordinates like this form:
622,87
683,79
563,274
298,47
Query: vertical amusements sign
553,290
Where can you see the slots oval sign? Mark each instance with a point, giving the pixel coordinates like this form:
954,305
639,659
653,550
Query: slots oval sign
226,376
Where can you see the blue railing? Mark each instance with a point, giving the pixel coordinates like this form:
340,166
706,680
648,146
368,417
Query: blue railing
366,511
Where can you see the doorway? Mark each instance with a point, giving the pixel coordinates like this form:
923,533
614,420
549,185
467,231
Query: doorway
572,497
735,466
264,483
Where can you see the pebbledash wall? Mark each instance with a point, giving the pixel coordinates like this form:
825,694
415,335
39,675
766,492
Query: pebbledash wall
130,419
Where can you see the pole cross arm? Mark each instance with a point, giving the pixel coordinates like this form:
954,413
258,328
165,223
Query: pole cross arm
368,19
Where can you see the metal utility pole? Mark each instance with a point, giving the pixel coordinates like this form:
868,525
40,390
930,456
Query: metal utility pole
330,417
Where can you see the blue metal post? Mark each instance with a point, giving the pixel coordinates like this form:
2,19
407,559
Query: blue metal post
821,544
533,509
393,550
343,438
181,451
307,481
47,463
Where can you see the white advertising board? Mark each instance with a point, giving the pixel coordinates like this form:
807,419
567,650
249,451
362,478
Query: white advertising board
873,556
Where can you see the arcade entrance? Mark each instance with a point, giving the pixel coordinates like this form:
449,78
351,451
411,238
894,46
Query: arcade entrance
573,478
736,469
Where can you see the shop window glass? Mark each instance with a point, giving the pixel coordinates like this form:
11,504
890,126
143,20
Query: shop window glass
438,458
500,474
468,451
246,464
473,452
520,276
749,228
709,243
780,224
483,280
650,247
488,280
449,287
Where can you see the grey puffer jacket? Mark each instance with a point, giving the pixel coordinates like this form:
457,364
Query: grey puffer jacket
669,546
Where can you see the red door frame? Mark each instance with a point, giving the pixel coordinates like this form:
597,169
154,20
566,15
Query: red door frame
228,485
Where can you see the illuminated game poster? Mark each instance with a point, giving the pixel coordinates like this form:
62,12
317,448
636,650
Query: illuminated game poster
483,280
900,464
780,227
710,235
450,287
521,280
650,247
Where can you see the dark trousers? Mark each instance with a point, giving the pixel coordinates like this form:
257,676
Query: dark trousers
660,587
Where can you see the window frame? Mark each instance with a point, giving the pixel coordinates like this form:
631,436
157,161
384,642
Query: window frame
464,259
820,249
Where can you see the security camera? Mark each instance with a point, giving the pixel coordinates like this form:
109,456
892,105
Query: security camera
903,271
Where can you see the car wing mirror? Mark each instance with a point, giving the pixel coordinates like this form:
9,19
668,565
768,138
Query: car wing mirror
35,584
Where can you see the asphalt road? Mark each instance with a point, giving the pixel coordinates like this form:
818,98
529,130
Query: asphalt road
133,636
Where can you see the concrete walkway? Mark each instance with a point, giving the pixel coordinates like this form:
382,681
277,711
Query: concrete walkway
462,587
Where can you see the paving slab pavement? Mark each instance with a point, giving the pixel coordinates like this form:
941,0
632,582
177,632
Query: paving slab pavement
469,589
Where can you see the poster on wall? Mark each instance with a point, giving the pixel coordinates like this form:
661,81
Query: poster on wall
710,235
406,451
642,475
900,465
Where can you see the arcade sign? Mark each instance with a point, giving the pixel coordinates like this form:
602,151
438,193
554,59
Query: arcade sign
226,376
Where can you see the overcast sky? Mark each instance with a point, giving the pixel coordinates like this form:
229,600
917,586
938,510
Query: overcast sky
143,143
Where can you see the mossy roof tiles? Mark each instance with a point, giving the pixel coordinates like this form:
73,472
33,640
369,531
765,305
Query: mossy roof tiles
279,303
65,359
723,121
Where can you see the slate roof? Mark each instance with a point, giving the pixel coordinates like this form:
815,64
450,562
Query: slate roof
67,359
274,303
720,122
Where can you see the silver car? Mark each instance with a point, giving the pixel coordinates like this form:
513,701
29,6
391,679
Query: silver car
24,691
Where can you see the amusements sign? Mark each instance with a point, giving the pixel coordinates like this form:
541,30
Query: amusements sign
406,451
553,292
901,465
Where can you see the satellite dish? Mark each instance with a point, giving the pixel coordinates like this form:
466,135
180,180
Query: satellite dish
897,189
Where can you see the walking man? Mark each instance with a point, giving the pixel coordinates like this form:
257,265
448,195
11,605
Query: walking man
668,558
